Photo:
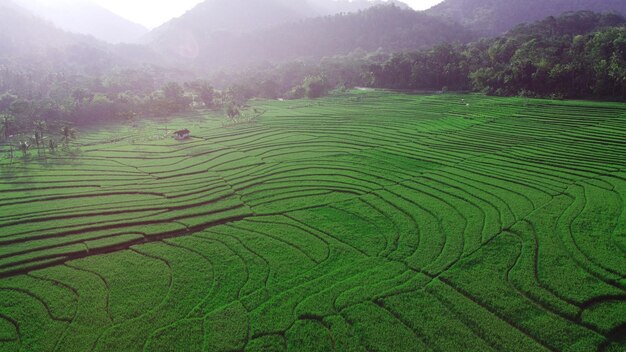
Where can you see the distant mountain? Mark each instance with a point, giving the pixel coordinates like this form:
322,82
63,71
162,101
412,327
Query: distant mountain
387,27
232,16
22,33
492,17
333,7
28,42
85,17
244,16
248,15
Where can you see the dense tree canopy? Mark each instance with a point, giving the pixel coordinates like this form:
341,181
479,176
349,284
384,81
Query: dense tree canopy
388,27
494,17
577,55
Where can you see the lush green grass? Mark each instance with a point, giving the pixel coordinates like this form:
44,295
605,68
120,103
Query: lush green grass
371,221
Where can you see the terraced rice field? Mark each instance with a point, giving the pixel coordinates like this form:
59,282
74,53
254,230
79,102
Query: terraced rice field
367,222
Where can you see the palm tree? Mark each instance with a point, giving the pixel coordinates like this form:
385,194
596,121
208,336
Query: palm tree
6,122
41,126
80,95
40,130
52,145
38,142
68,133
232,110
24,147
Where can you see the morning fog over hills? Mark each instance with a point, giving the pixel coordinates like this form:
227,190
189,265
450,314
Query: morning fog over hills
312,175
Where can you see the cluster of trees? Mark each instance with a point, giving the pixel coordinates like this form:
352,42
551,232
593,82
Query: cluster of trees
38,135
577,55
43,111
298,79
494,17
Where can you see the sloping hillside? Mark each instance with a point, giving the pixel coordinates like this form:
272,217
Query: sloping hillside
386,27
21,32
492,17
29,42
86,18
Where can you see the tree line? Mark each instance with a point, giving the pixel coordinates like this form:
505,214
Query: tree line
43,113
577,55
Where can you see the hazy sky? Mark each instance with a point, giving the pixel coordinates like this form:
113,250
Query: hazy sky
422,4
149,13
152,13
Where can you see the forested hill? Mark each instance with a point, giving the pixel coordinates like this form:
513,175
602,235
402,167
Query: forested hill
240,16
233,34
26,39
576,55
217,29
493,17
387,27
30,43
85,17
21,31
332,7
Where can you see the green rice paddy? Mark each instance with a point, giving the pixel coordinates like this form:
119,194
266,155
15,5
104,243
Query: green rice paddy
370,221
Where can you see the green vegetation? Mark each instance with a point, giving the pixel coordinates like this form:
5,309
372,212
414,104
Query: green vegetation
389,27
491,17
573,56
299,207
362,221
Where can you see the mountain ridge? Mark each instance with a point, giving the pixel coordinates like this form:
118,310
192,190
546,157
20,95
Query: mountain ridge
494,17
86,17
386,27
238,16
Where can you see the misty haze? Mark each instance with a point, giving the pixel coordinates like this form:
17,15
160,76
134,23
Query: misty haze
312,175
